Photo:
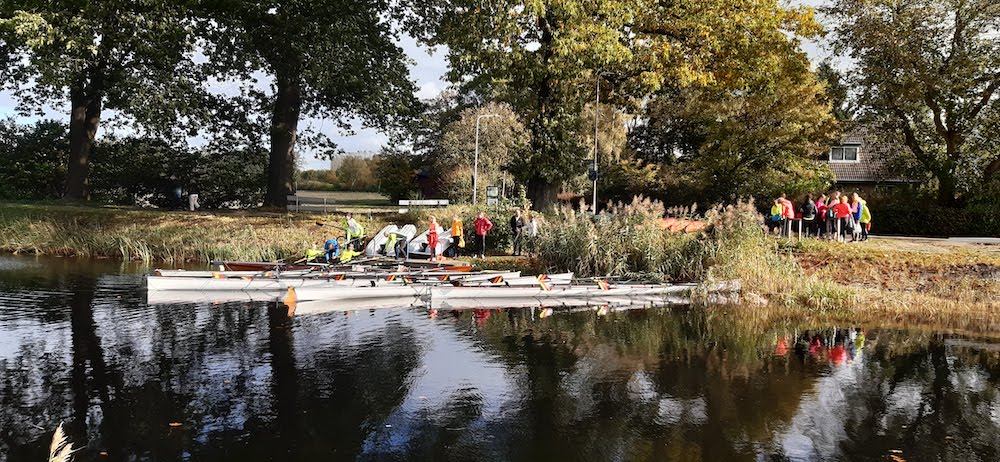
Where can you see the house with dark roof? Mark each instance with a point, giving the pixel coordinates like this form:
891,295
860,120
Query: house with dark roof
861,160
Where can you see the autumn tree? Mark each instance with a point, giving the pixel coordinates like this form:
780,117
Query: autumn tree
329,59
128,56
544,58
929,69
502,140
750,140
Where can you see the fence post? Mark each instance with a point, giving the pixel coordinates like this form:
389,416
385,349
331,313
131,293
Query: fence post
839,236
800,229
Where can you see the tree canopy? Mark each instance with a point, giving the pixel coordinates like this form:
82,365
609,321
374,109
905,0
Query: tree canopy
544,58
930,71
130,56
331,59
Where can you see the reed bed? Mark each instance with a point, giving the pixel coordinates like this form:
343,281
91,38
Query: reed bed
155,236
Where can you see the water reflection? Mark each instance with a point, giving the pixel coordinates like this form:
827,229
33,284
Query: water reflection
241,381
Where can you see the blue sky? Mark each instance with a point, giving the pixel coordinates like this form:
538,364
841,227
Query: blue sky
427,69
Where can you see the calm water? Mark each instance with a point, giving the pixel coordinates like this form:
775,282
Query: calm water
238,381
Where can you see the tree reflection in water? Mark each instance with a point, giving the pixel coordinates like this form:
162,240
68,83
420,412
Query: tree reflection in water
243,382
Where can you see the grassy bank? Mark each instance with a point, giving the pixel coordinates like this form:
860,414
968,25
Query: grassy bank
898,281
154,236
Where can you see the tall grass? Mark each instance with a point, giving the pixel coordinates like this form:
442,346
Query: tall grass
154,236
629,241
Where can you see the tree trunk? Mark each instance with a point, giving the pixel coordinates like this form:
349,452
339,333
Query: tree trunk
947,185
284,129
85,116
542,193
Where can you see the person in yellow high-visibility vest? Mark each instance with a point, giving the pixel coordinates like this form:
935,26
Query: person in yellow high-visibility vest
355,232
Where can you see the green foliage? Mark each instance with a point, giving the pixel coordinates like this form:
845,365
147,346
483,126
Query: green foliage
837,91
334,60
396,174
930,70
911,213
32,160
132,171
135,56
502,140
354,173
145,172
736,143
544,58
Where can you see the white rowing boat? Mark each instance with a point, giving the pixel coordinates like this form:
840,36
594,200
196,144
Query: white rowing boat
375,246
180,273
250,283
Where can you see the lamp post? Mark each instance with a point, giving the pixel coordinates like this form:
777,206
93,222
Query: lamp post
597,112
475,169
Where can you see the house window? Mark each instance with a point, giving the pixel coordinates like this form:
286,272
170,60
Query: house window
844,154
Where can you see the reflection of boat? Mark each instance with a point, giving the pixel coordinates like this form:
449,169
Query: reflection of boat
408,298
495,292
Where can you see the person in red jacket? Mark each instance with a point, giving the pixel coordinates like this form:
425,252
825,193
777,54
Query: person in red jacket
788,214
482,225
842,211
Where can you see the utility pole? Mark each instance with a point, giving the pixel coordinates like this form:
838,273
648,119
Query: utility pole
475,169
597,112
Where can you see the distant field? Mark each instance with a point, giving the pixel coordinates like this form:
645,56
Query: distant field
350,197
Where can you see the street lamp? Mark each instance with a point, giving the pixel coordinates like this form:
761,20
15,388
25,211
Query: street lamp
475,169
597,112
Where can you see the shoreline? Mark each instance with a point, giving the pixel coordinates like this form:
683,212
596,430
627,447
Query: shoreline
894,278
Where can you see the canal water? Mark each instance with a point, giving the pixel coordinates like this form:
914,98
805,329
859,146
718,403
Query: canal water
240,381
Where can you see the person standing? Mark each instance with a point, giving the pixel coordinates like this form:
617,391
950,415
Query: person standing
821,207
482,226
532,232
517,228
193,197
432,237
457,236
861,214
808,211
788,215
831,216
842,211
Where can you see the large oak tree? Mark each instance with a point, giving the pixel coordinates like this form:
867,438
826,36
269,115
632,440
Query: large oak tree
544,58
131,56
931,70
334,59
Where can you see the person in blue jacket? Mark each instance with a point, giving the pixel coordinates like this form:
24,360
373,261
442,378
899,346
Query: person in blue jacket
332,249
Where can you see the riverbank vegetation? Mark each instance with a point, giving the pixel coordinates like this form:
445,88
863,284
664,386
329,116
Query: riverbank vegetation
902,281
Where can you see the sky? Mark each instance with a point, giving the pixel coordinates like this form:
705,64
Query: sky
427,69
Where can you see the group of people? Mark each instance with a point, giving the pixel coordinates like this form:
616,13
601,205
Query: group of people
523,228
835,216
